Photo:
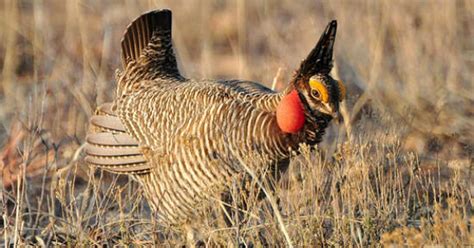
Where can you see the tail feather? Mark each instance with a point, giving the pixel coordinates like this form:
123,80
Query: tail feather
111,139
94,150
108,122
107,109
110,147
149,36
112,160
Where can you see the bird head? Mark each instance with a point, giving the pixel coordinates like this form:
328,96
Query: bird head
313,91
321,94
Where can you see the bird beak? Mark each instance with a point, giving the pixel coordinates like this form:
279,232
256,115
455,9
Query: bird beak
331,110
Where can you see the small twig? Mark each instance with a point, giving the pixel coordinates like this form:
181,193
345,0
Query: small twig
277,80
346,116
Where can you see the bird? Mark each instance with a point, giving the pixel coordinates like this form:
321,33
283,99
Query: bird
179,137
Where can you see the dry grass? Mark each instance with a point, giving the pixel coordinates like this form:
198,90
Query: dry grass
396,172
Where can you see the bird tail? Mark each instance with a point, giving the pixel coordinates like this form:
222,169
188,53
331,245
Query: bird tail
110,147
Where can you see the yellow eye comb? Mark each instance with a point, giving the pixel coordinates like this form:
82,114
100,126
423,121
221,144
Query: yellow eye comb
318,86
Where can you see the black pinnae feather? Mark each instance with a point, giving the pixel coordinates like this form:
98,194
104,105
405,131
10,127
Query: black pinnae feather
319,59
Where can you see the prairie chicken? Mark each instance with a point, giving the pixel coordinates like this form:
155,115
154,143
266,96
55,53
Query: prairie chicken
178,137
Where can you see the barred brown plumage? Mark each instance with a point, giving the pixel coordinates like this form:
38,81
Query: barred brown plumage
175,134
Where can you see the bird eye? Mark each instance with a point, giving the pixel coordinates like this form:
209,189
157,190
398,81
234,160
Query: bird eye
315,94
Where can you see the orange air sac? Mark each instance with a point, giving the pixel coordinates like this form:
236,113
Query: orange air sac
290,114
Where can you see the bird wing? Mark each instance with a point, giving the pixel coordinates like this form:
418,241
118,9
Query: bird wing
172,113
254,93
247,87
178,122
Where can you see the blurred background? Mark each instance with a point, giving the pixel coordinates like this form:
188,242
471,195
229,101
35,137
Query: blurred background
408,66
